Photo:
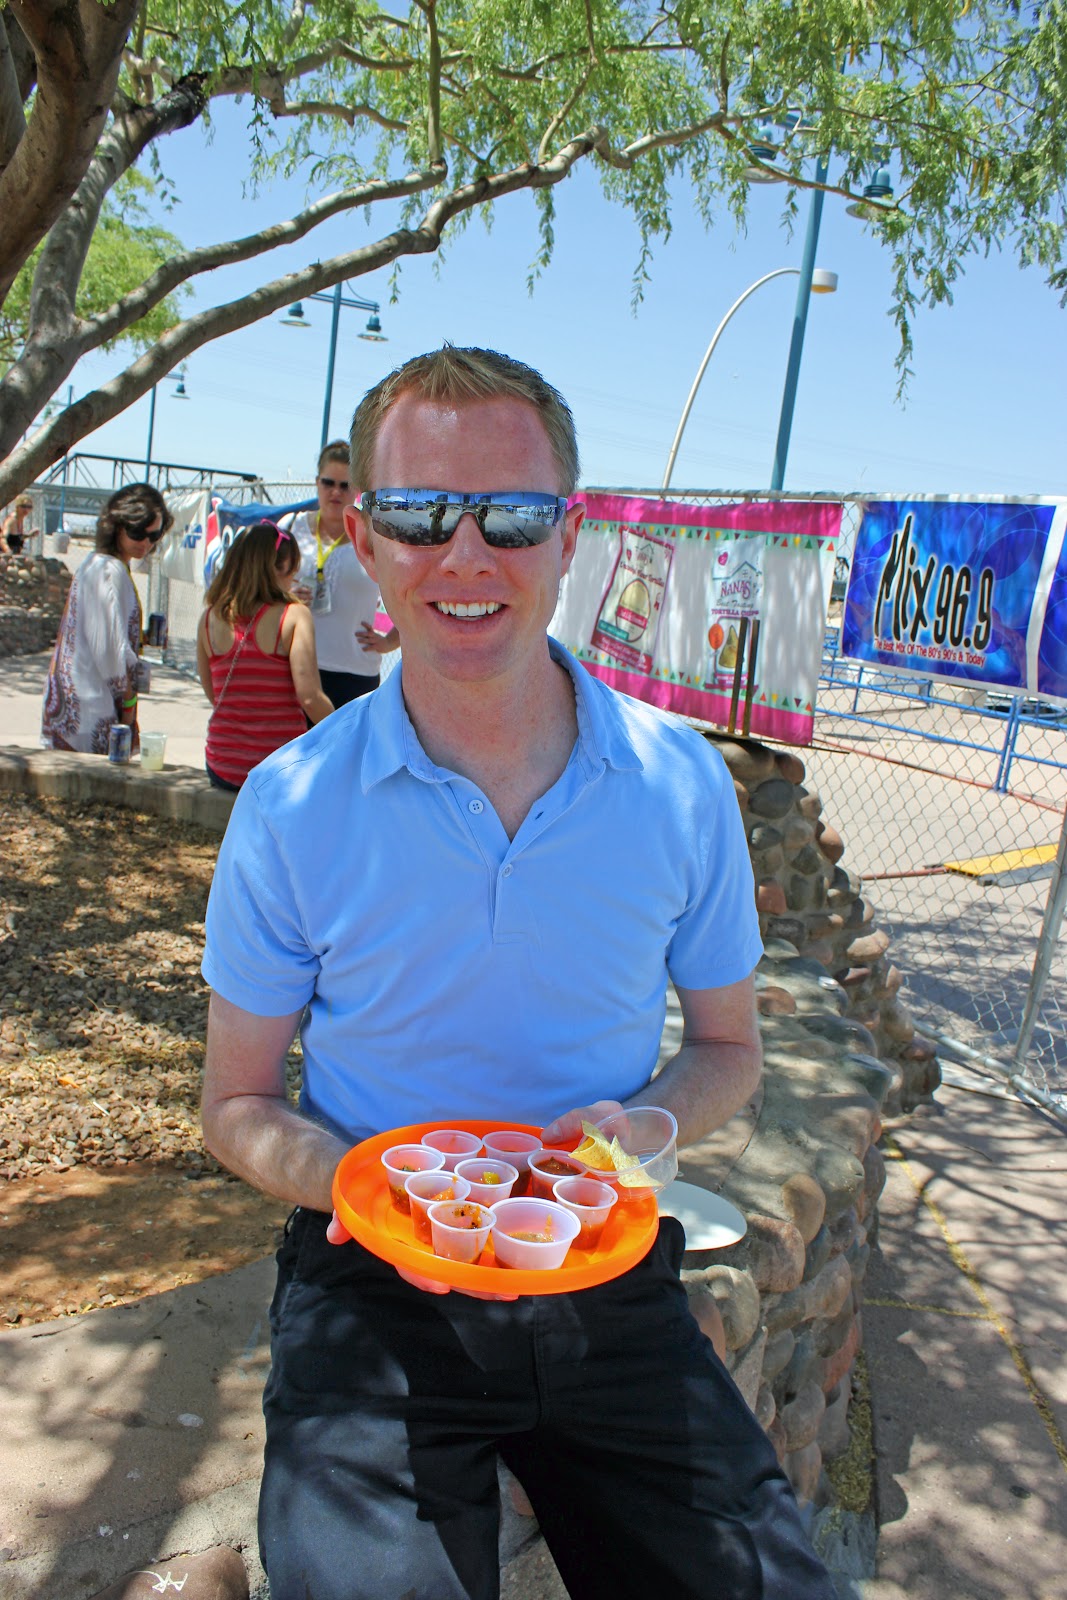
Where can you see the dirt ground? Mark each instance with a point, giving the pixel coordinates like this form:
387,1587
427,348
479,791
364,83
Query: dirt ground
106,1192
91,1236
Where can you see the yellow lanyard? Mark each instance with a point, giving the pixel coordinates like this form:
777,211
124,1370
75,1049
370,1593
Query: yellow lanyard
320,565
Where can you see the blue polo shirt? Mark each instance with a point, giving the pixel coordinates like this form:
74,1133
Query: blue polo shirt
451,972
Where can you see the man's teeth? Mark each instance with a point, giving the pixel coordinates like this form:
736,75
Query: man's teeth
474,608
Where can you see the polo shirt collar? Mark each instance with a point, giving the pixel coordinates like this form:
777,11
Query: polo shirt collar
392,742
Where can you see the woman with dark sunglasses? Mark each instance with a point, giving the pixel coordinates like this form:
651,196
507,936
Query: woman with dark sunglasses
340,595
95,669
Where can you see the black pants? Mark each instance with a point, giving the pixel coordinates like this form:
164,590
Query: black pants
386,1408
345,686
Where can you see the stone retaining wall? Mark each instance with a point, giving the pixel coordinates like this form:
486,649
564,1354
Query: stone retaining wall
801,1162
33,592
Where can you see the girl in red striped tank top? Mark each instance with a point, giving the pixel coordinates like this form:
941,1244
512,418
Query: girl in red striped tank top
255,653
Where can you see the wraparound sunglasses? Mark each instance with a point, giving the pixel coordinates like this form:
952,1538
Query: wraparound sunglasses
509,520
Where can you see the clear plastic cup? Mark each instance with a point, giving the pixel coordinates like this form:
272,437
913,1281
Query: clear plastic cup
553,1229
422,1189
400,1160
510,1145
153,749
650,1134
455,1144
487,1190
548,1167
459,1229
591,1202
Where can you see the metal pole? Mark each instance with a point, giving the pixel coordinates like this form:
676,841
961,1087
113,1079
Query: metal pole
779,272
800,317
151,431
1050,928
335,320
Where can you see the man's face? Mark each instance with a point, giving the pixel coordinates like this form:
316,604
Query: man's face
467,612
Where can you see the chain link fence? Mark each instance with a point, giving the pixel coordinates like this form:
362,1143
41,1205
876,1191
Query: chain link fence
951,801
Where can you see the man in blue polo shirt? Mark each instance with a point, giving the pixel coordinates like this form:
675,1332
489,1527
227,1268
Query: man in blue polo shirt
468,890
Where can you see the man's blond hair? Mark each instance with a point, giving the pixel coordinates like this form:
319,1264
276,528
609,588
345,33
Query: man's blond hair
459,374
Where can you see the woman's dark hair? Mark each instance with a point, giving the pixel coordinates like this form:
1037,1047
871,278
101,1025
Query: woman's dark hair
255,572
131,511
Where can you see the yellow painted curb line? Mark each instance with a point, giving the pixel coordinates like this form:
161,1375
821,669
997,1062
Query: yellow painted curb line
989,1311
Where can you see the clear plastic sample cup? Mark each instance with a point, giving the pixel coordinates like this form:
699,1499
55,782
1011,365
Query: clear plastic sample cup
489,1180
591,1203
400,1160
153,750
510,1145
454,1143
650,1134
459,1229
422,1189
548,1167
533,1235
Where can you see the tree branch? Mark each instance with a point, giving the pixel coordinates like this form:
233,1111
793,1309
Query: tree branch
78,48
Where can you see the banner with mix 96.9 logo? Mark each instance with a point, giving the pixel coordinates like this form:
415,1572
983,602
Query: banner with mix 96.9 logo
970,590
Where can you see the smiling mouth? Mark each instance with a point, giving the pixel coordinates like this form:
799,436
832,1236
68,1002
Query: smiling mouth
467,608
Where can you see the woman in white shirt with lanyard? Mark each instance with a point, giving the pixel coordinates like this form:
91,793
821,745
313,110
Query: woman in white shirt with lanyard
334,585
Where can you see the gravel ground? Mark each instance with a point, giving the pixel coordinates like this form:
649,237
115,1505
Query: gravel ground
102,1007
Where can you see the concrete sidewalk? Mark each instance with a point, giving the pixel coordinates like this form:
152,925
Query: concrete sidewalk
176,705
133,1434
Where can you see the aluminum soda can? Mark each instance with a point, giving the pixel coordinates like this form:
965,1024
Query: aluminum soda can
144,676
120,743
156,632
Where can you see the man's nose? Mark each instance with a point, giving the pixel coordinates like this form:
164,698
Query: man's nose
466,550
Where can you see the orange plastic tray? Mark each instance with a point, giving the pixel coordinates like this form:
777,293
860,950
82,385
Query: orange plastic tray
361,1198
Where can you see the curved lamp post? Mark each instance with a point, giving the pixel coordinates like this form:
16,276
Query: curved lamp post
821,282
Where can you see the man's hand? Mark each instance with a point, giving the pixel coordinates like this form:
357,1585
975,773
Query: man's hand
567,1129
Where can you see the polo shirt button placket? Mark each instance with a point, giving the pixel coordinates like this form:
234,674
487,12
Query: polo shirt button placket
508,870
475,807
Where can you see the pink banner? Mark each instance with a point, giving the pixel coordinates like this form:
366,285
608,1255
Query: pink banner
664,598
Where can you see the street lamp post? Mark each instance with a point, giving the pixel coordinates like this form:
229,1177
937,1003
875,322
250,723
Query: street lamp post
800,319
818,280
179,394
294,318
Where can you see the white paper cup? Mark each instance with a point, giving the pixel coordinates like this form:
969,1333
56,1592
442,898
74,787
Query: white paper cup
559,1227
400,1161
459,1229
153,749
542,1183
422,1189
455,1144
591,1203
505,1177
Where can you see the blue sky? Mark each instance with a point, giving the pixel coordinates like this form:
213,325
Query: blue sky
986,410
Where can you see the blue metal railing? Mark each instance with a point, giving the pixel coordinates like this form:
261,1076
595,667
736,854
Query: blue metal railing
1013,713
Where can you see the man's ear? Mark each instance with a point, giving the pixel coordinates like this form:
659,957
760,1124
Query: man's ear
357,526
573,519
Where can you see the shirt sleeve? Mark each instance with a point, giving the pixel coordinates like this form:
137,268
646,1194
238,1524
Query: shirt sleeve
717,939
108,609
257,954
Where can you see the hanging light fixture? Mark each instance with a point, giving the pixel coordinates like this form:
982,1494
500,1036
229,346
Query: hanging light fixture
762,149
294,317
373,331
877,196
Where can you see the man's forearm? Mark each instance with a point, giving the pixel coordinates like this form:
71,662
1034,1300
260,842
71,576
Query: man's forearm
270,1145
704,1085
